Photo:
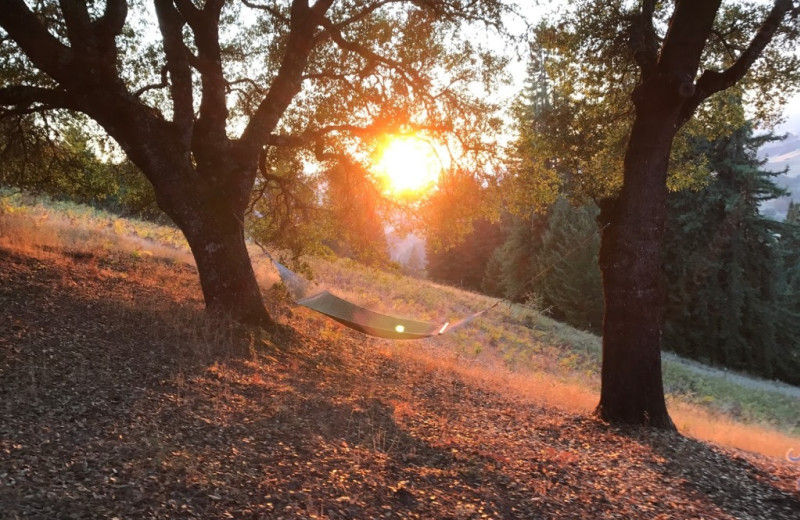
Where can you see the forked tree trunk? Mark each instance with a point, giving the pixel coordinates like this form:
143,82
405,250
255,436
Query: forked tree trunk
210,213
632,389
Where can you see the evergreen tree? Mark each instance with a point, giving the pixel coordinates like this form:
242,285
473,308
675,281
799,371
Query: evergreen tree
793,213
464,263
568,277
552,259
515,257
415,265
731,289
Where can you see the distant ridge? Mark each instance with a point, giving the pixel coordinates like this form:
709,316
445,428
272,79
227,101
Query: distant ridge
783,155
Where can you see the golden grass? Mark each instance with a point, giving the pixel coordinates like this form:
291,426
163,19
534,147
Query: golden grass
513,350
73,228
701,424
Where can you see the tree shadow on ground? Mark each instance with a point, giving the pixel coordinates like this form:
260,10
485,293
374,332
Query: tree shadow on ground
726,478
121,399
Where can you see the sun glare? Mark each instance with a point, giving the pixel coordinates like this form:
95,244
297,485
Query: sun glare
409,165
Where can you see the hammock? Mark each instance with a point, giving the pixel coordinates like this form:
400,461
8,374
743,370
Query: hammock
362,319
368,321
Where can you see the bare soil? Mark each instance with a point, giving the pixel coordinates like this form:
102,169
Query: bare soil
119,399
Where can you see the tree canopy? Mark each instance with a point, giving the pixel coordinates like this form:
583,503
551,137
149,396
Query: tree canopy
214,100
586,64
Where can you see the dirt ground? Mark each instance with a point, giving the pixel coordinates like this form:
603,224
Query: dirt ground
120,399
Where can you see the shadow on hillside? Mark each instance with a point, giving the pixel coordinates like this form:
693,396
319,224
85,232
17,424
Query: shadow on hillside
728,480
112,405
119,399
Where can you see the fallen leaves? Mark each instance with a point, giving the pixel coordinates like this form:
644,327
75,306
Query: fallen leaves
112,406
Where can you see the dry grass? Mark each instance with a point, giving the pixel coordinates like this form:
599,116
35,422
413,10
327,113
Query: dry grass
30,224
514,348
121,399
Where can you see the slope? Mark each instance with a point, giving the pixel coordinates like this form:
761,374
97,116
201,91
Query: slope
120,399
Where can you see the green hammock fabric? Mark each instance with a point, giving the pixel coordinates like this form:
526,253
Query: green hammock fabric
362,319
370,322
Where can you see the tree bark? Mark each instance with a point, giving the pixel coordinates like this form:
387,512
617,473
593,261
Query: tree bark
633,224
632,388
216,238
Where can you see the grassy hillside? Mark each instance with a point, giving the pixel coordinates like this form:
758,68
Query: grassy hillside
121,399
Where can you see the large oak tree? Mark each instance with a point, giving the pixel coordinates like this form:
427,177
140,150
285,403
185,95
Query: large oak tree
631,81
200,95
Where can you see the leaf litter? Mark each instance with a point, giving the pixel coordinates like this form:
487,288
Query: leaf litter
120,399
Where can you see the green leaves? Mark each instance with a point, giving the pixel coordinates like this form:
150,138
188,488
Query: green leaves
588,62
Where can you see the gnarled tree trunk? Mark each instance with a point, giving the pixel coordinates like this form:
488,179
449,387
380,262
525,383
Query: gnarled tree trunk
668,96
229,285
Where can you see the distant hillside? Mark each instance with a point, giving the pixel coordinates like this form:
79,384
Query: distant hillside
783,155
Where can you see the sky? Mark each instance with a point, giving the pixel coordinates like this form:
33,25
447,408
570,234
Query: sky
792,114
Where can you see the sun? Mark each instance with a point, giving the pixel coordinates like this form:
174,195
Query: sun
409,165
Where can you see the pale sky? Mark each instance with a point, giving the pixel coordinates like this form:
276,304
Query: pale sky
792,113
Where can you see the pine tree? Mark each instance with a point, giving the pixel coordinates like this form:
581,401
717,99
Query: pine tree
415,265
464,263
568,276
515,265
732,294
793,213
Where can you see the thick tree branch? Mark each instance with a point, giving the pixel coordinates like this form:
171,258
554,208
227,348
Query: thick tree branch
320,7
288,81
177,55
644,40
23,97
79,26
271,9
107,28
210,130
711,82
188,10
113,19
41,47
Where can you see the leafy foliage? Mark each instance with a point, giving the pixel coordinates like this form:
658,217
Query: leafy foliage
312,88
61,158
583,71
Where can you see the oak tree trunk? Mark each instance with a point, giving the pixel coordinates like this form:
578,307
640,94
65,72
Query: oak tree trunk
229,285
630,260
632,389
207,202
